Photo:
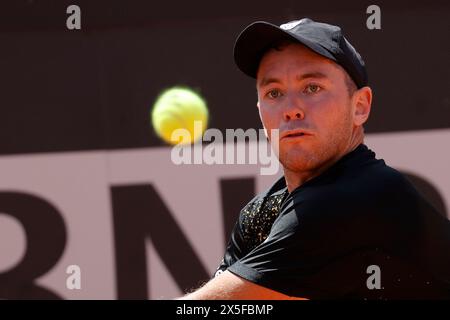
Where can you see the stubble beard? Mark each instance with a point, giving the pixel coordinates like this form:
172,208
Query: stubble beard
315,154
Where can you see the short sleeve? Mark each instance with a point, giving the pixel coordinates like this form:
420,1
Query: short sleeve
315,249
235,250
241,241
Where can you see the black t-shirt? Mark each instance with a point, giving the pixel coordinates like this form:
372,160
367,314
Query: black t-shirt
359,230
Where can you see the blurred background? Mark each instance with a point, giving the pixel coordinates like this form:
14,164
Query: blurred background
85,181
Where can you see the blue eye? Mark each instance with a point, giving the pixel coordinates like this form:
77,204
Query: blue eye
312,88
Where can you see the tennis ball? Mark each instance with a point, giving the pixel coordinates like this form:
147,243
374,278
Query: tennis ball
179,108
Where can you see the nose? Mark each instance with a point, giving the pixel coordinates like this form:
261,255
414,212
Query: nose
293,111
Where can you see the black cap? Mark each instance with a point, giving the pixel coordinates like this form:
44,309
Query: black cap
324,39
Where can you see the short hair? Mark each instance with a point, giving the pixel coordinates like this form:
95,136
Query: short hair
281,44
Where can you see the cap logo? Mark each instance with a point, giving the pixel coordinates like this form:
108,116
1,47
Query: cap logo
291,25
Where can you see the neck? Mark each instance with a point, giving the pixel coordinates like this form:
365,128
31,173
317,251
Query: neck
295,179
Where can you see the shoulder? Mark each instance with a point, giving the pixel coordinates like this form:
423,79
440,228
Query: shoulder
359,203
359,188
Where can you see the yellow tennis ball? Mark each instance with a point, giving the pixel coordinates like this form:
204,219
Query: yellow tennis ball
180,108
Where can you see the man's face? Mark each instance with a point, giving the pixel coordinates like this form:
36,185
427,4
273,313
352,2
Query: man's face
301,91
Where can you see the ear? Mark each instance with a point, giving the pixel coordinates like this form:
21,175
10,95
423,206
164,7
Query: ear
362,100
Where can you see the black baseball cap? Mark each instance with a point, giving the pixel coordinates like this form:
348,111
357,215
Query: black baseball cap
324,39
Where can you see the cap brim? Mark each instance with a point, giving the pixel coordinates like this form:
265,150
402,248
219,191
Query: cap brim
254,40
